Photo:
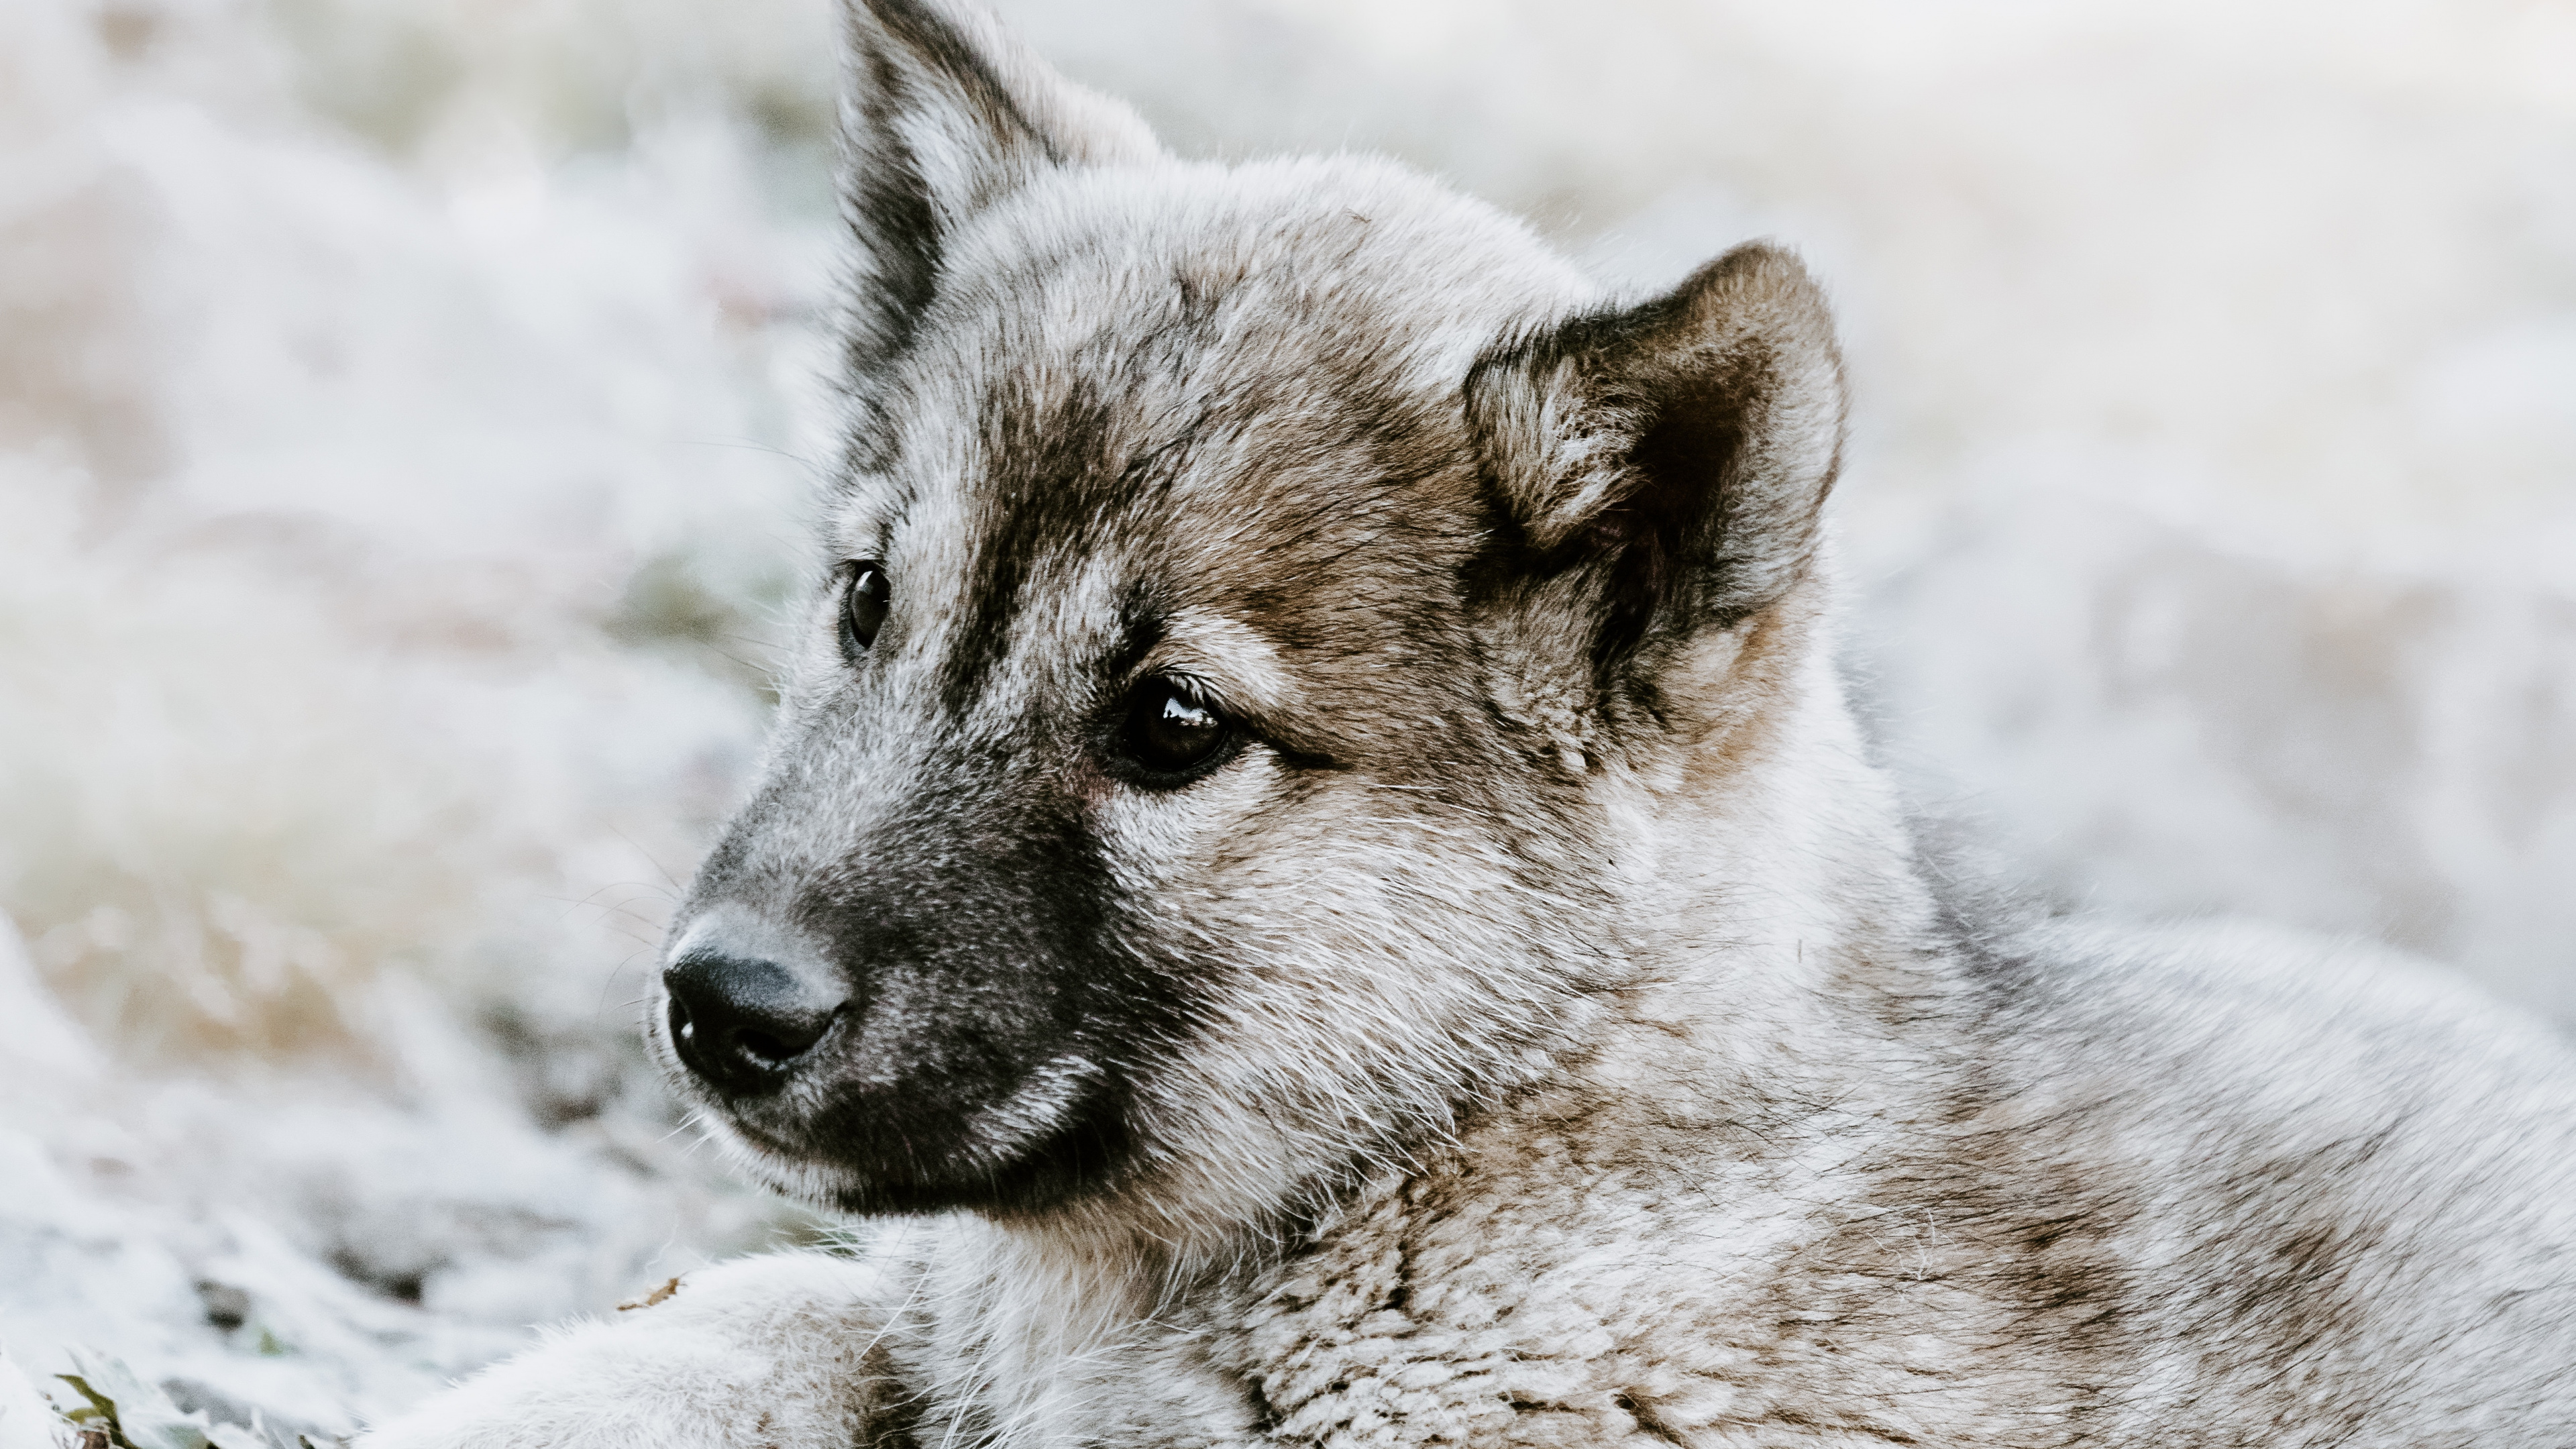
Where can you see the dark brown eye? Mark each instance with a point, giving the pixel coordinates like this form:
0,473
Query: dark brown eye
1171,730
864,595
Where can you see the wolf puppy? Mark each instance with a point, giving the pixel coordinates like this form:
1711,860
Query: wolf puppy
1317,881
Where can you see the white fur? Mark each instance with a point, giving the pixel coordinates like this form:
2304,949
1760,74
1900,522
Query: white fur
766,1351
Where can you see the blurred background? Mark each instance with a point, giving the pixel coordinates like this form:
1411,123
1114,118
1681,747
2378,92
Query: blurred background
409,410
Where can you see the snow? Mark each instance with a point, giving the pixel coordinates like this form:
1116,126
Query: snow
408,411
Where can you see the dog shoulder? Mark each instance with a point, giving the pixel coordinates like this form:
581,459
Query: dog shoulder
2304,1152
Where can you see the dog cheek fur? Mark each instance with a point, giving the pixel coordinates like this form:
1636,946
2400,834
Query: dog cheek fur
1369,958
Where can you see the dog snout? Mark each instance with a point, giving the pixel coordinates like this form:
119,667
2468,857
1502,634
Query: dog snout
743,1024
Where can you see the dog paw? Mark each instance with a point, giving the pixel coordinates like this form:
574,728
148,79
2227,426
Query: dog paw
781,1352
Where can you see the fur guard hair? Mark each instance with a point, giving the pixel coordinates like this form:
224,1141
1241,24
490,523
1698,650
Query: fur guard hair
1513,1013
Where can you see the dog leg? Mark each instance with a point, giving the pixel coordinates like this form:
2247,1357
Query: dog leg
775,1352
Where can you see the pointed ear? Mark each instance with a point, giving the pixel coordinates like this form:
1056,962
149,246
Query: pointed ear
1675,455
946,112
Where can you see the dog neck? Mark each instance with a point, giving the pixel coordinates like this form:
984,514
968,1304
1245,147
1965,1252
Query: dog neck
1767,857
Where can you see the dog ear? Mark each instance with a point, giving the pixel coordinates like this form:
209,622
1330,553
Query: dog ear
946,113
1675,456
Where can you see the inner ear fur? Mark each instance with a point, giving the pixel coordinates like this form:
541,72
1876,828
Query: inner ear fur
1674,455
945,113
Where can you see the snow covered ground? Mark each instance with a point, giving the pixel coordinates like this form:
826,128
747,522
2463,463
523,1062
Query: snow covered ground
407,410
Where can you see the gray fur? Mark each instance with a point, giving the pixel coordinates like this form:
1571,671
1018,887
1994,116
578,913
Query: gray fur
1533,1025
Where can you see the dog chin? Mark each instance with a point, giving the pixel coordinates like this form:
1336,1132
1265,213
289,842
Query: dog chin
1021,1156
783,1171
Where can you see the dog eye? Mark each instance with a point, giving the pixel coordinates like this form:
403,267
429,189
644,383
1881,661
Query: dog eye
1170,729
864,595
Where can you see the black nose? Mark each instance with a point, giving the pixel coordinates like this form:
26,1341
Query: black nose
743,1025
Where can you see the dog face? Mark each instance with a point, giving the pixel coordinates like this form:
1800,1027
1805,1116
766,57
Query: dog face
1187,789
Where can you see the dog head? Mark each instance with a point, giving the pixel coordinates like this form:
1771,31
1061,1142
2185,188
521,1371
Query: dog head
1190,784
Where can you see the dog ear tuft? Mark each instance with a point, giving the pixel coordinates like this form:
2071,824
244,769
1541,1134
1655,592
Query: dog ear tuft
1681,449
946,113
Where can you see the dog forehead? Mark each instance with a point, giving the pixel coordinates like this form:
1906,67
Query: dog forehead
1231,378
1263,265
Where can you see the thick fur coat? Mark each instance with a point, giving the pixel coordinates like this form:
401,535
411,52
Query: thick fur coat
1316,885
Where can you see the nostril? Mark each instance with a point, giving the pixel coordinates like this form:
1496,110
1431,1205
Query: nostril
744,1025
772,1050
